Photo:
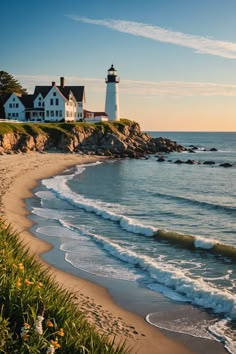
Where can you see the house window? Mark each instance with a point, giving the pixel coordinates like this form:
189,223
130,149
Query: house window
9,114
40,98
52,113
54,93
47,113
17,115
57,101
39,104
60,113
13,114
56,113
13,99
51,101
17,105
10,105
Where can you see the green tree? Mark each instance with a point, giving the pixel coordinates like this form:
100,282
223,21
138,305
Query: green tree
8,84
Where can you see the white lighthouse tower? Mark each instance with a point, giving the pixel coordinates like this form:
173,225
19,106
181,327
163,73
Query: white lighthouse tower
112,108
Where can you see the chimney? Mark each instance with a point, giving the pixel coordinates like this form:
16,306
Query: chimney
62,81
53,83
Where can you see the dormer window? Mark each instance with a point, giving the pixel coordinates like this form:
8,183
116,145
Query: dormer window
54,93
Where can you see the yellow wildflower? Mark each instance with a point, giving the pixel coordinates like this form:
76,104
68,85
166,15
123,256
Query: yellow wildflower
14,265
49,323
28,282
18,283
21,266
61,332
55,343
39,285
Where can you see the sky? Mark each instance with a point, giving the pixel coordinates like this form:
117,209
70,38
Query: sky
176,59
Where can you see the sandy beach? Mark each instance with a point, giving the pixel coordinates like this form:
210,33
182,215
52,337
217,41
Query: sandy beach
19,174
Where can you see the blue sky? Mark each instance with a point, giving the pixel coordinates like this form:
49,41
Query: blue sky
176,58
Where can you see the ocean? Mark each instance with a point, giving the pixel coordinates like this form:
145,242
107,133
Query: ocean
166,228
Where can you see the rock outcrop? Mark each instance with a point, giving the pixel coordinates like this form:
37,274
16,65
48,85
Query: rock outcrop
117,139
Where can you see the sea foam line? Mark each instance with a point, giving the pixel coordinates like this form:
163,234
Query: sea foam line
198,291
221,332
58,185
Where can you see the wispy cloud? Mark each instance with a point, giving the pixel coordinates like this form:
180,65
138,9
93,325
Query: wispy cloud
202,45
136,88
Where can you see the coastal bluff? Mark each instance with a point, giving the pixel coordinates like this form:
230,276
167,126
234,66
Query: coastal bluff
115,139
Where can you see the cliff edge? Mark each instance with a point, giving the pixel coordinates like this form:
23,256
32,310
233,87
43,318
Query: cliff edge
116,139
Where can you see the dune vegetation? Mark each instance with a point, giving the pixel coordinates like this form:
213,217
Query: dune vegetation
36,314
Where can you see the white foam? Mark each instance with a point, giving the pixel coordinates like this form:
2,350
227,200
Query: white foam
52,214
201,242
78,252
57,231
222,332
184,325
196,290
59,186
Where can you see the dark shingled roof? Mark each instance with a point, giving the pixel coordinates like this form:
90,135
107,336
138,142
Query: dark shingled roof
78,91
42,89
27,100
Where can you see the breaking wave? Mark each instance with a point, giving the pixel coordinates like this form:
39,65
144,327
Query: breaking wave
197,242
197,291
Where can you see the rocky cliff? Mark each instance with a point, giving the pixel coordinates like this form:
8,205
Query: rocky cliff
117,139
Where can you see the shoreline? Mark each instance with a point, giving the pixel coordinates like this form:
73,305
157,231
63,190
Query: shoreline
19,175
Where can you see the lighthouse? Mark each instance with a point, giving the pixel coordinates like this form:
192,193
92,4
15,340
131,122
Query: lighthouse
112,95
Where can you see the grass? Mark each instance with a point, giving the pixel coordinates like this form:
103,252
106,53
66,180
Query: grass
36,314
66,128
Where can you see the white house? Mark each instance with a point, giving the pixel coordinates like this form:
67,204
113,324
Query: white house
48,104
